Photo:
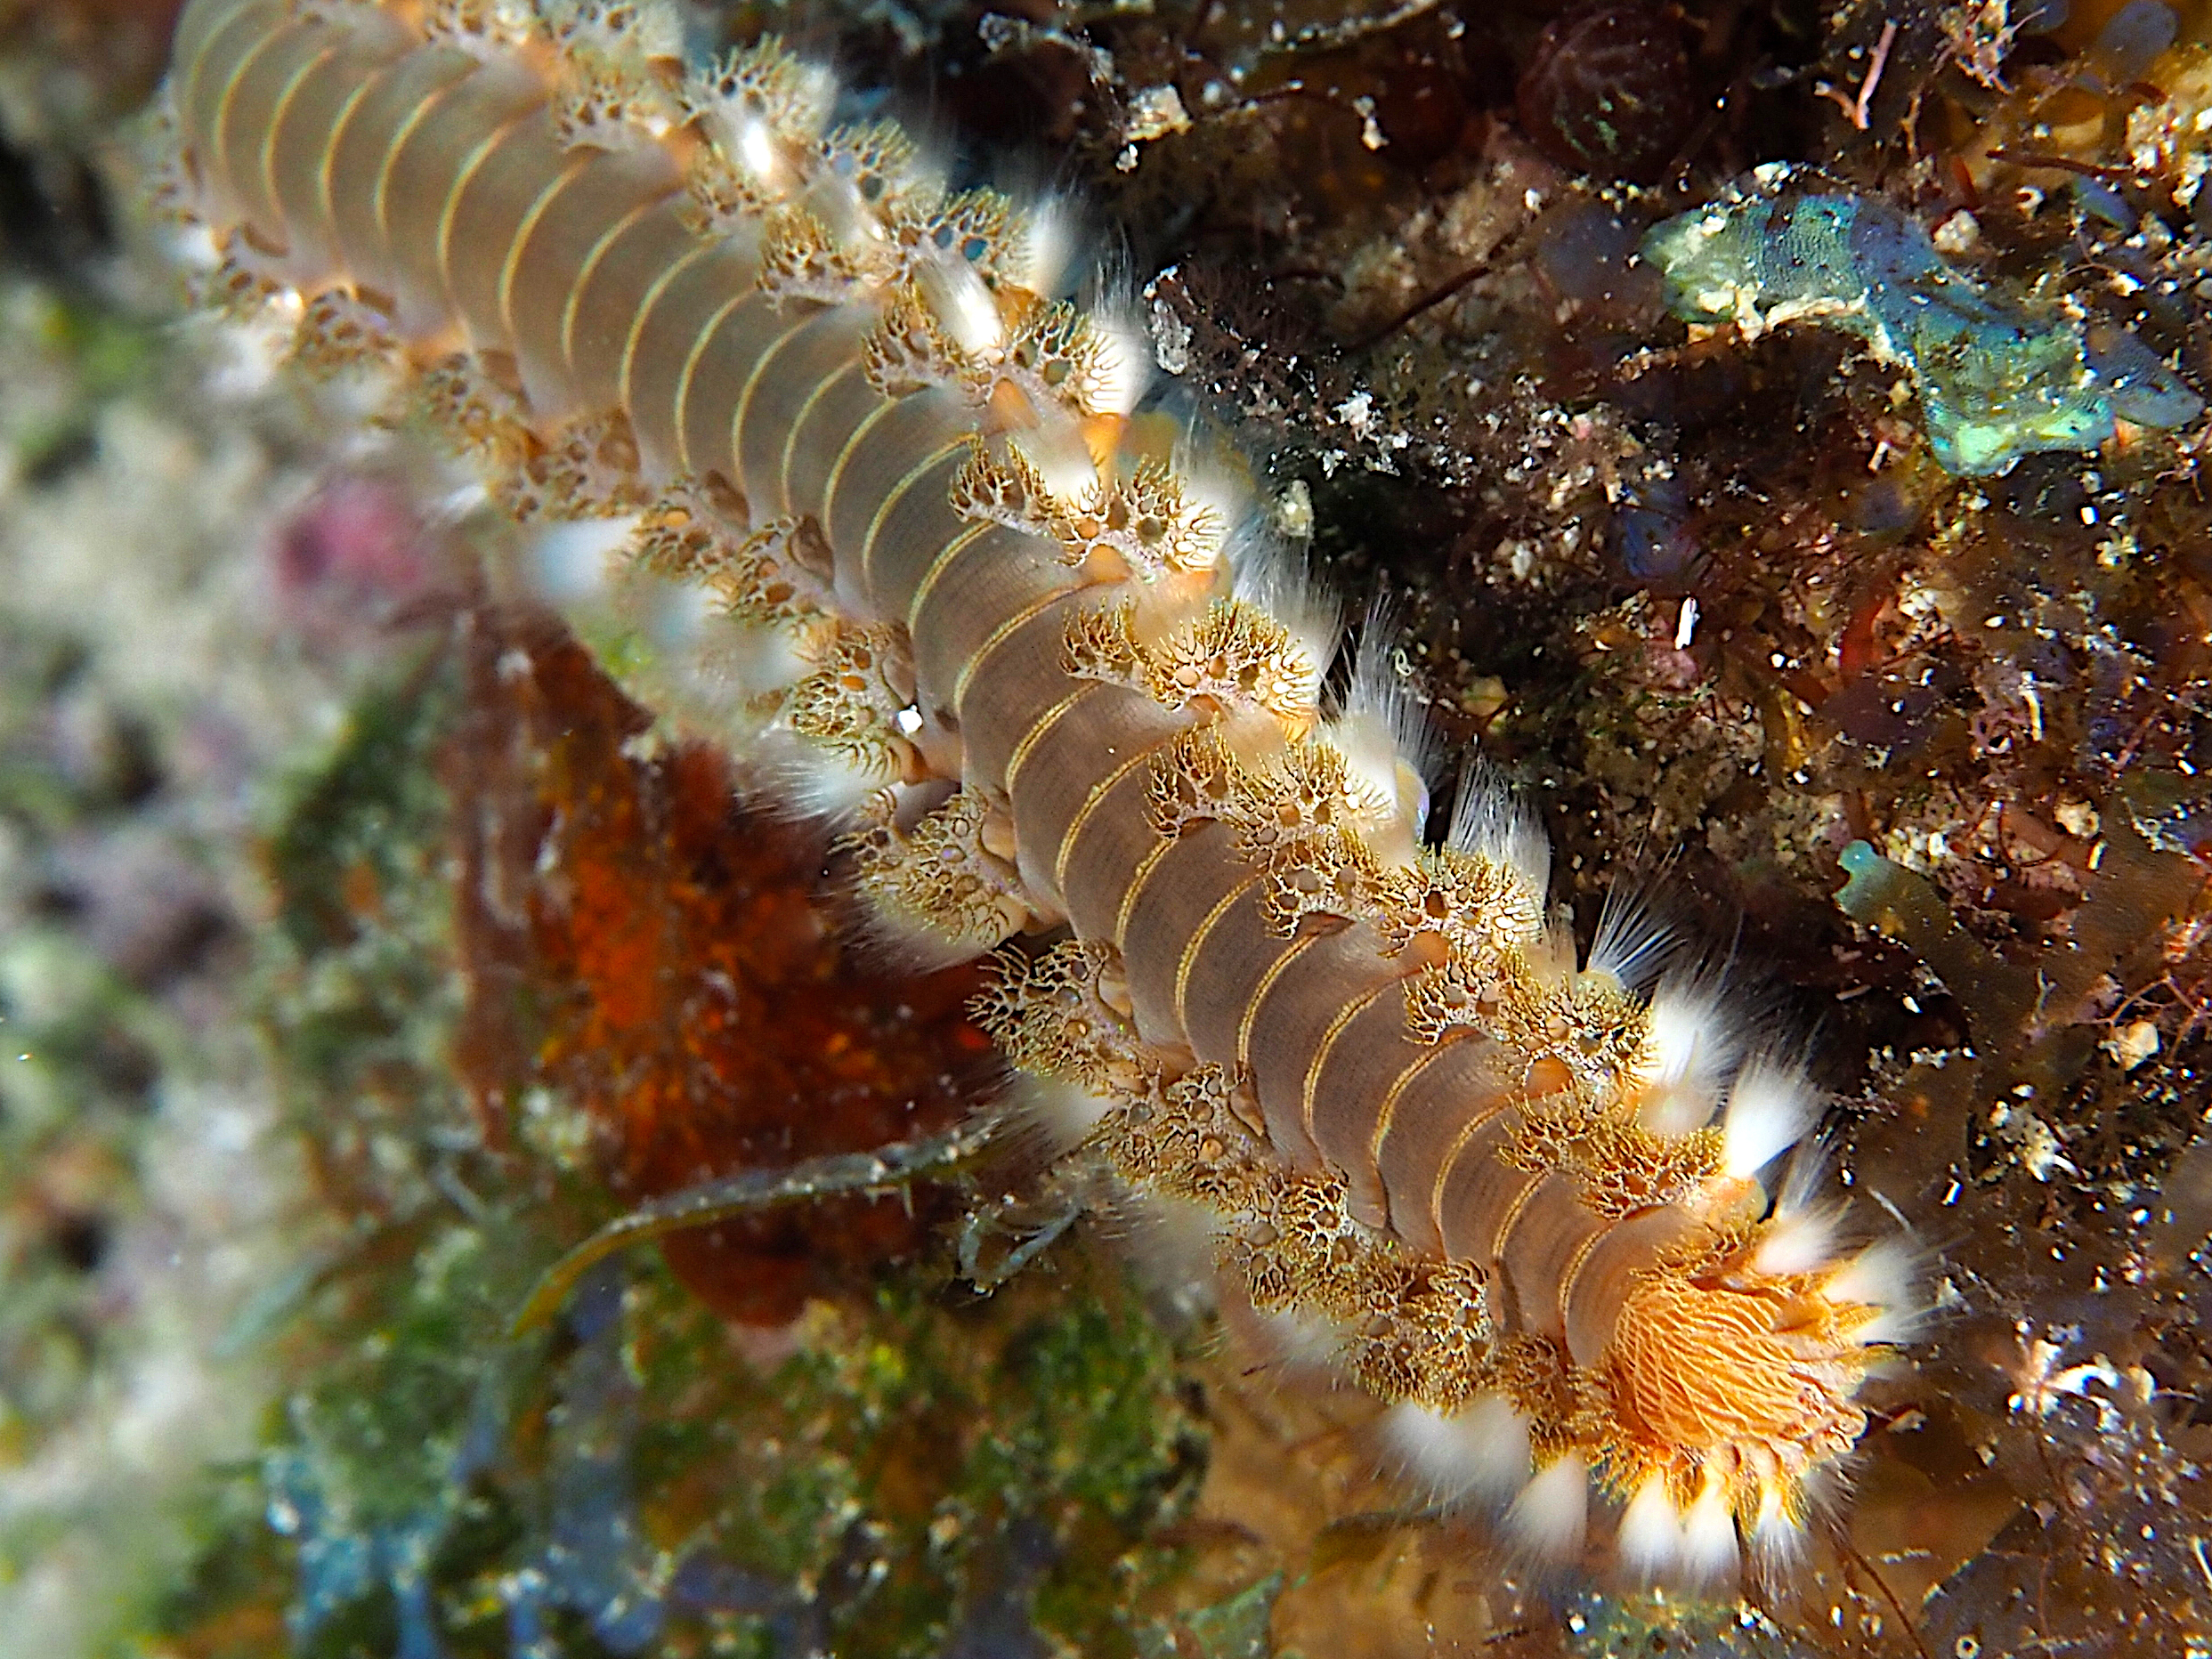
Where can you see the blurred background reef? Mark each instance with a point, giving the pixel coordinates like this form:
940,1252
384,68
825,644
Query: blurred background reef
363,947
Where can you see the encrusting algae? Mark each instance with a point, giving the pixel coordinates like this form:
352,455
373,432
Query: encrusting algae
1995,386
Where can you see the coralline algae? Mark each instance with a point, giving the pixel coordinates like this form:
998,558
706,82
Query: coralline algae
1994,383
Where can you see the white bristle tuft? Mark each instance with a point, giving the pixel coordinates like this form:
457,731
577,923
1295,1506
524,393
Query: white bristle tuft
1801,1241
1804,1182
1215,492
1650,1534
1384,727
577,560
1170,1243
1488,821
1694,1043
788,102
1633,941
1124,360
1303,1342
1392,795
1044,248
678,637
1478,1452
1553,1509
1272,576
1690,1032
1771,1106
1777,1540
1058,452
754,663
805,114
678,616
698,700
963,304
753,148
814,783
1709,1552
905,944
1880,1276
1423,1444
1060,1115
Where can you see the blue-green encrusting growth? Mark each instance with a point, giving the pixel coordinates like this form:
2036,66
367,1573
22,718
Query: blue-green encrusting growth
1995,382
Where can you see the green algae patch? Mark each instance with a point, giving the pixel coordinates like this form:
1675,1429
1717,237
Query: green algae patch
1995,382
924,1474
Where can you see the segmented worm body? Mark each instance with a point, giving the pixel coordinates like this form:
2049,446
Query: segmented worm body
933,554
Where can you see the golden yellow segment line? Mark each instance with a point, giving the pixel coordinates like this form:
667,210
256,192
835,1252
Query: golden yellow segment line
1457,1150
1398,1086
624,394
1222,906
1000,635
613,234
683,397
1514,1210
381,194
1345,1016
942,563
1259,999
806,311
920,470
1042,726
1138,880
226,107
246,16
1098,792
266,161
1572,1273
514,259
482,152
346,112
799,421
846,452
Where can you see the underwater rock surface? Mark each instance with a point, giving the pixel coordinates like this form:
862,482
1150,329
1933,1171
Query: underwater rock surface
323,1067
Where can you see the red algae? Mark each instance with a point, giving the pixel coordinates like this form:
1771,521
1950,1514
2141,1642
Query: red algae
641,941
